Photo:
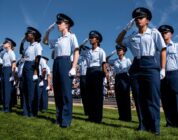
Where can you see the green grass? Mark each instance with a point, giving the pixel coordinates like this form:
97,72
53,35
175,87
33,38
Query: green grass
14,126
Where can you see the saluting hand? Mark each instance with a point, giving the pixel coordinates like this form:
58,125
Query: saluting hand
130,24
51,27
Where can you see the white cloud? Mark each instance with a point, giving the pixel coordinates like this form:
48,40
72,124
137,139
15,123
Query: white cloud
169,10
27,18
164,17
174,5
47,7
150,4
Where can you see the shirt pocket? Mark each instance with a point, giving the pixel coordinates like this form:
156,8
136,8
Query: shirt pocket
171,50
135,42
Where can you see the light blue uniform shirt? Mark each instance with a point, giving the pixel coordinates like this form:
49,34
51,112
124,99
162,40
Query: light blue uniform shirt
172,56
64,45
42,65
32,51
120,66
8,58
83,62
1,62
146,44
20,67
47,72
96,57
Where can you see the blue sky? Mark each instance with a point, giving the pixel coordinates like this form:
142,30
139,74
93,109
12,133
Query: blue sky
107,16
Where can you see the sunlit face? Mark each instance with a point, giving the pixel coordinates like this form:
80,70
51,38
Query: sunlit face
141,21
7,45
29,37
62,26
166,35
93,40
120,52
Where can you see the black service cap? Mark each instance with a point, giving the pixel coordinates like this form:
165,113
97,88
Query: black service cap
8,40
65,18
96,34
142,12
166,28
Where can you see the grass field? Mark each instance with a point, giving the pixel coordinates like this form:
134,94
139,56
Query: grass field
13,126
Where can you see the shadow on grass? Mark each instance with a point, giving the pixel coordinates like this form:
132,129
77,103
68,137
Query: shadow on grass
52,120
104,123
77,113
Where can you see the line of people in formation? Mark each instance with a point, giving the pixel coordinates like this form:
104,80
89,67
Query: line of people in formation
153,74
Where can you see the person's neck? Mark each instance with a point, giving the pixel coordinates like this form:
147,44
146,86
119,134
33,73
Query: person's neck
32,42
8,49
64,32
94,46
167,41
142,29
121,57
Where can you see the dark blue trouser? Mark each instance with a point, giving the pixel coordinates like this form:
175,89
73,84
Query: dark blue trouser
0,92
43,101
169,97
94,85
149,81
21,92
62,84
29,89
83,93
6,88
0,84
36,97
135,93
147,75
122,91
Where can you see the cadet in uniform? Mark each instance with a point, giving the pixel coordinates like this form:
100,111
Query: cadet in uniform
96,59
20,64
169,85
8,73
83,69
63,69
30,70
1,62
44,72
147,45
122,83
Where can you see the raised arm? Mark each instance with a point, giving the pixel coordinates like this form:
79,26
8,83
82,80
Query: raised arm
121,35
46,36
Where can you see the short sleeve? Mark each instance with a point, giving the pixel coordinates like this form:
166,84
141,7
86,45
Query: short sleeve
102,56
38,49
74,42
129,62
1,62
111,62
52,43
48,70
158,39
12,56
43,64
126,42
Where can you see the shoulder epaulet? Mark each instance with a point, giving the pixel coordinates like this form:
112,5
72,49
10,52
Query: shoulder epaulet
176,43
154,30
